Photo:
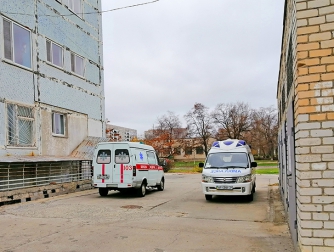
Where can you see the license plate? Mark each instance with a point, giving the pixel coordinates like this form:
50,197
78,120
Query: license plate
224,187
100,176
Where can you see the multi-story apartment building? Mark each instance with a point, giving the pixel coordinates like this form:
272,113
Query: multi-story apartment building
305,95
118,133
51,76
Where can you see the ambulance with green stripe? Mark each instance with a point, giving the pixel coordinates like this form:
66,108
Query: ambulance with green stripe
229,169
124,166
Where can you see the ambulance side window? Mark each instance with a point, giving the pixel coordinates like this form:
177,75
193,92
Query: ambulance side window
122,156
151,158
103,157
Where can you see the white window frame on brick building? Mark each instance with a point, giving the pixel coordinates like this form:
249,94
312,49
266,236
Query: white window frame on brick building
58,124
20,125
16,43
77,64
54,53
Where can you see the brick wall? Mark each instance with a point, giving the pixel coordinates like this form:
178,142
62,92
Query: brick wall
314,124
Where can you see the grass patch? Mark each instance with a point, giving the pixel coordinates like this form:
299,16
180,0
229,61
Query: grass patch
268,163
188,164
267,171
186,170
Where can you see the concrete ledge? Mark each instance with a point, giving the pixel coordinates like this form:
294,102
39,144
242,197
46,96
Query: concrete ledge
40,192
276,209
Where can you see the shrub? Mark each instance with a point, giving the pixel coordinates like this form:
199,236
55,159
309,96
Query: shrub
169,165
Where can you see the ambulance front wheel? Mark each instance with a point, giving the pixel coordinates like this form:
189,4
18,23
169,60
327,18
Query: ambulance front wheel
103,192
141,191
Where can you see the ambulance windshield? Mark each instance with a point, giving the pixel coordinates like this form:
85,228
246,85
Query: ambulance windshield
227,160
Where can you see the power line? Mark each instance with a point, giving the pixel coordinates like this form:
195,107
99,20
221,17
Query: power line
96,12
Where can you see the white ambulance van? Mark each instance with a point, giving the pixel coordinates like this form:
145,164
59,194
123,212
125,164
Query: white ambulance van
126,165
229,169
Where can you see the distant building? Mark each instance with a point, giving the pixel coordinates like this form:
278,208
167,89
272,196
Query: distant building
119,133
51,76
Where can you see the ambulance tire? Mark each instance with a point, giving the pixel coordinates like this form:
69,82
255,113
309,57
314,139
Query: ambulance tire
141,191
250,197
254,186
103,192
208,197
161,186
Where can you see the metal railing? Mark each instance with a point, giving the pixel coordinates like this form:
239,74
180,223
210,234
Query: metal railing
30,174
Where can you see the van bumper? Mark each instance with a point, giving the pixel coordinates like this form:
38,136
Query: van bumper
227,189
115,186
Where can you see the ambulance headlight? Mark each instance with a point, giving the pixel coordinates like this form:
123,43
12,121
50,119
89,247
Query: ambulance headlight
207,179
245,179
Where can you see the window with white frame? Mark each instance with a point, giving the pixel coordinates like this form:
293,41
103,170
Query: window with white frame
54,53
77,64
58,123
75,6
17,43
20,125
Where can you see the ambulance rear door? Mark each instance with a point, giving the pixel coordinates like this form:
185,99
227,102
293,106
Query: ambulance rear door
104,167
123,169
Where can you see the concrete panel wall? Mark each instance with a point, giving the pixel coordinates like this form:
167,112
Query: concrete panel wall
48,84
76,132
94,128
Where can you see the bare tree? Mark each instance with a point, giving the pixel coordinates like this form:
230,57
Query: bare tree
199,123
169,126
265,131
233,120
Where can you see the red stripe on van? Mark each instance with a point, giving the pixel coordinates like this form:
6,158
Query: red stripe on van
146,167
103,171
122,173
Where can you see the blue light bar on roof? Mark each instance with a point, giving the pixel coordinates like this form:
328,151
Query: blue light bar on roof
227,142
241,143
216,144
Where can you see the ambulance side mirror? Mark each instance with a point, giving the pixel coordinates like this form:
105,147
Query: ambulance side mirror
200,165
253,164
162,162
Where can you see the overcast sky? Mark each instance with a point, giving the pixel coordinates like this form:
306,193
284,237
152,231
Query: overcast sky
170,54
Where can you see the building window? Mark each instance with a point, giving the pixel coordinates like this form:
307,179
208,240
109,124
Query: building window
289,68
188,150
20,125
77,64
17,46
75,6
58,124
177,151
199,150
54,53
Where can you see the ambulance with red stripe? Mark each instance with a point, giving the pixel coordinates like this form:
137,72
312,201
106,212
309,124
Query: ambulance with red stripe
122,166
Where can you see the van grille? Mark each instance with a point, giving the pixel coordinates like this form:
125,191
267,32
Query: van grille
225,180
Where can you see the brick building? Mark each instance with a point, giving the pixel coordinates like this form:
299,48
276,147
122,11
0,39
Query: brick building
305,96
